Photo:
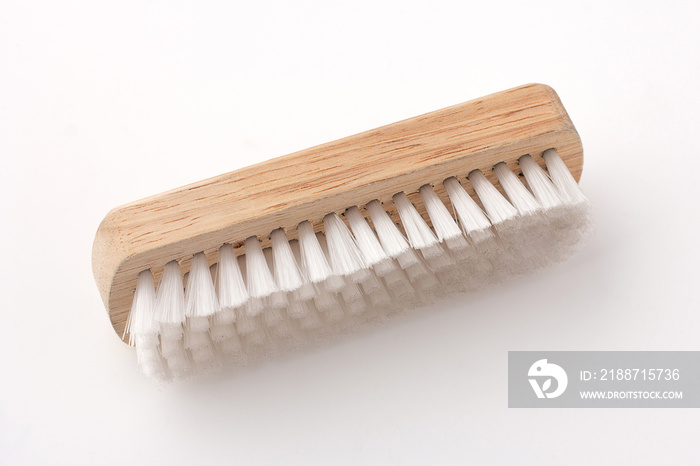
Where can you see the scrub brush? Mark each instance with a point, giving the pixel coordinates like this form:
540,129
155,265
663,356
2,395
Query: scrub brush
305,247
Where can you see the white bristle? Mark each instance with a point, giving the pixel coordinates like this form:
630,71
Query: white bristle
220,332
472,219
254,306
148,355
371,285
259,279
400,287
573,219
287,274
197,324
395,278
310,319
367,242
169,348
273,316
225,316
200,295
353,298
428,283
355,307
325,301
417,272
255,340
230,286
146,340
408,259
438,260
202,356
528,239
343,253
313,261
562,177
384,267
308,289
540,184
171,331
391,238
150,362
205,359
231,346
444,225
305,292
517,193
177,359
285,330
497,207
141,320
376,292
298,309
194,339
419,234
170,299
278,300
246,324
332,313
180,367
334,282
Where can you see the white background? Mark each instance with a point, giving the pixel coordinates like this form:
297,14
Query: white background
102,103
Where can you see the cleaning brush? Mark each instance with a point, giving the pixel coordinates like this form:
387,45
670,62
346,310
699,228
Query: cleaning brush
299,249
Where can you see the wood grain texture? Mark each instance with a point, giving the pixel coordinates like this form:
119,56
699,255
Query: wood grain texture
309,184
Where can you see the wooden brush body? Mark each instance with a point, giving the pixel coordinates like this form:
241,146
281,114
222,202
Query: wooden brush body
311,183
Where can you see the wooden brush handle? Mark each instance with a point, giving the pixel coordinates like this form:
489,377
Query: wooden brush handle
311,183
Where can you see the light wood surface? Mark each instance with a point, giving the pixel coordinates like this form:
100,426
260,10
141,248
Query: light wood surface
308,184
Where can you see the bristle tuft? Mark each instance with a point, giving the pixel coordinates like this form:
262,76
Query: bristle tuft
445,226
142,319
472,219
287,274
540,184
313,262
200,295
562,177
367,242
260,282
517,193
343,253
391,238
170,300
497,207
230,286
419,234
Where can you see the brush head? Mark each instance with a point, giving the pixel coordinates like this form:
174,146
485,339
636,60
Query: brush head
333,238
